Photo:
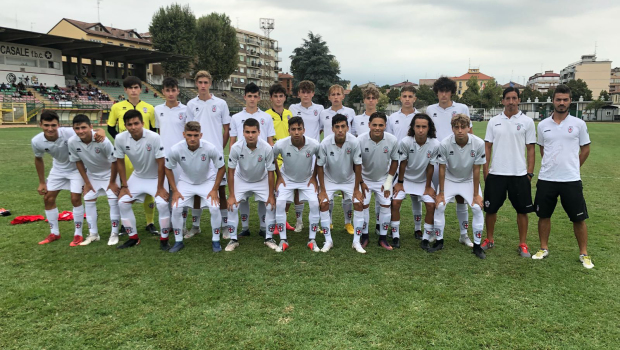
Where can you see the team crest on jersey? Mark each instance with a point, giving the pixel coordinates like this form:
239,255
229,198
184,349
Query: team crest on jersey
145,110
149,147
519,126
316,112
260,158
453,113
97,150
214,109
262,121
473,153
428,154
308,155
348,150
180,116
203,157
570,129
385,149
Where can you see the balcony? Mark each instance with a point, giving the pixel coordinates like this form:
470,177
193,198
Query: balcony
277,69
278,59
252,53
253,75
252,42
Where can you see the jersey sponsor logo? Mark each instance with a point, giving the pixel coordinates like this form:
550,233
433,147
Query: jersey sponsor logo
214,109
434,115
78,149
348,150
145,110
47,150
161,148
288,154
124,107
326,117
362,123
149,147
161,114
396,122
182,159
197,109
260,159
366,150
451,153
203,157
97,150
473,153
241,156
126,148
428,154
385,149
570,129
331,153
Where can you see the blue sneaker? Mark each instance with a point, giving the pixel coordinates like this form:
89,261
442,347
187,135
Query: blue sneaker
216,246
176,247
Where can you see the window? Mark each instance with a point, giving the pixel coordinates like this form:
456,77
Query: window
53,65
241,69
241,58
460,84
241,46
242,80
21,61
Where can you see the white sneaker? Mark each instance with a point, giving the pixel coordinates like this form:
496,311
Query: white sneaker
113,239
585,260
282,246
225,233
191,233
541,254
91,238
232,244
299,226
327,246
313,246
271,243
466,241
358,247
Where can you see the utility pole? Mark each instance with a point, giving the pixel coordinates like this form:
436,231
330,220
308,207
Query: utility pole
268,25
98,12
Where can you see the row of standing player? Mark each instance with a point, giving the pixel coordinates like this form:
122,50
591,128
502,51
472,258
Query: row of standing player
395,124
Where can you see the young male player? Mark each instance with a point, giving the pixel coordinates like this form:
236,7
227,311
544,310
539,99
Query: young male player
267,132
338,169
97,166
360,122
418,151
170,119
380,156
194,156
63,175
335,94
308,110
564,147
460,157
133,88
280,117
296,173
144,150
511,133
250,172
213,115
442,113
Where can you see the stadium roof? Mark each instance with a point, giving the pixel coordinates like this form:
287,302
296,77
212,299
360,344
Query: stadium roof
87,49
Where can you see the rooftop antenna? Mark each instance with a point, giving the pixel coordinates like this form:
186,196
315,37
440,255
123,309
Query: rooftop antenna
98,8
595,47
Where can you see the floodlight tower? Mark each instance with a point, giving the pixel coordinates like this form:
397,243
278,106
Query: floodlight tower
267,25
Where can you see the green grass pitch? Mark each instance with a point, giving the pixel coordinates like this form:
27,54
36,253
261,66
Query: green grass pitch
95,297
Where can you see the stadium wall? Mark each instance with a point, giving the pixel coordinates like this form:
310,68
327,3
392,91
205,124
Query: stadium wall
41,65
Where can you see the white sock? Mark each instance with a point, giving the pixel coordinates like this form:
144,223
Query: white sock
428,231
347,209
52,219
261,216
281,217
185,216
366,221
270,222
216,219
233,221
91,217
314,218
463,216
395,229
299,212
115,215
177,223
224,214
440,220
164,220
128,219
358,225
331,207
477,223
385,216
325,222
78,219
196,213
416,208
244,210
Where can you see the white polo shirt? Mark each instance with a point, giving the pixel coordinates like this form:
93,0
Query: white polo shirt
377,156
337,162
360,124
418,157
212,115
398,123
562,144
509,137
251,166
142,153
97,157
326,115
442,118
459,160
297,164
57,149
311,119
195,164
265,120
171,124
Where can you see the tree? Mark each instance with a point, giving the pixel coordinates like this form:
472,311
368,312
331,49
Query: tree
548,95
471,96
382,102
355,96
173,29
530,94
384,88
578,89
426,95
595,105
393,95
604,96
491,96
312,61
217,46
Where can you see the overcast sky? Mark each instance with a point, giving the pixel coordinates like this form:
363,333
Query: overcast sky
388,41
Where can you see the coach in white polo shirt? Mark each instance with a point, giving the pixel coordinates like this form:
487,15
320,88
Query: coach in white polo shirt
308,110
460,157
144,150
194,156
214,117
297,173
338,169
250,172
442,113
97,166
564,146
507,138
418,152
380,156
